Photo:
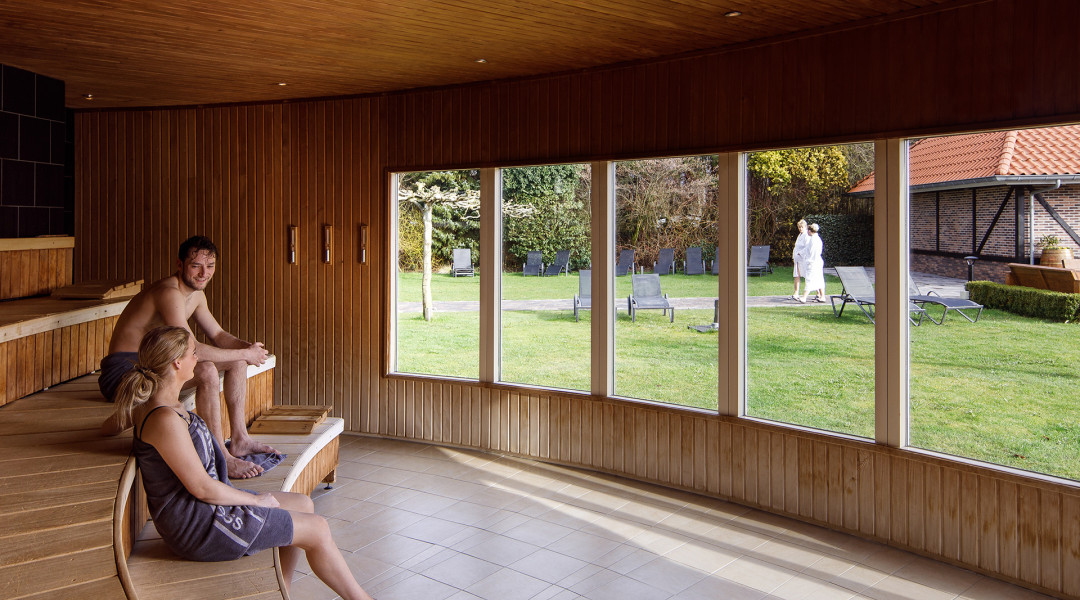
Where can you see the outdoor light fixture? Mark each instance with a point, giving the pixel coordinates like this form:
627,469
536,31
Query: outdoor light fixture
294,234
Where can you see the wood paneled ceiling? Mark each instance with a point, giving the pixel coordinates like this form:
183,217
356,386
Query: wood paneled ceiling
144,53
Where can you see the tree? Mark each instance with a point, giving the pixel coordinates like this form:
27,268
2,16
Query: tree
425,199
785,185
546,208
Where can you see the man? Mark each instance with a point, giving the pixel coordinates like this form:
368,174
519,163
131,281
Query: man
173,301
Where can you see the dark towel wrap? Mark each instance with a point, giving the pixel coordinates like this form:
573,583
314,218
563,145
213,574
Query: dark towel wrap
113,369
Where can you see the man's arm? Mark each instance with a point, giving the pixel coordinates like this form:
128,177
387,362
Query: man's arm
226,346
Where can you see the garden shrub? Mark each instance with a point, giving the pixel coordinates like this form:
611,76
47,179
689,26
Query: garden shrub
846,239
1025,301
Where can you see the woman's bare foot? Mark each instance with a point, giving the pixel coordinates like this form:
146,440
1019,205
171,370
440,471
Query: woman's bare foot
242,469
246,445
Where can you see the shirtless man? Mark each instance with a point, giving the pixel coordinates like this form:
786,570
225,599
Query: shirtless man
173,301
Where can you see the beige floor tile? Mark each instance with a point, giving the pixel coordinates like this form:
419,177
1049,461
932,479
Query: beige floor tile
992,589
463,595
391,519
589,579
331,504
756,574
425,504
362,490
858,578
716,588
946,578
785,554
548,566
893,587
311,588
354,536
804,587
461,570
508,584
500,549
538,533
467,512
417,587
394,549
583,546
623,588
663,574
614,527
704,557
435,530
365,567
626,558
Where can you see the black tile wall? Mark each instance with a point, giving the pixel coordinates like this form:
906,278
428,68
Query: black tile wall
36,156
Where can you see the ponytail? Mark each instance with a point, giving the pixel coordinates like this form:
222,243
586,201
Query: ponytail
159,348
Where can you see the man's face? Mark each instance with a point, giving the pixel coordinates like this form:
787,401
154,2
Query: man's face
197,270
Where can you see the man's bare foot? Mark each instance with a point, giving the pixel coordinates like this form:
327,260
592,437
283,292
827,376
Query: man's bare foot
246,445
241,469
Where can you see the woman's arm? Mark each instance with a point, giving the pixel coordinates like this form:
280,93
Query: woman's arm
168,433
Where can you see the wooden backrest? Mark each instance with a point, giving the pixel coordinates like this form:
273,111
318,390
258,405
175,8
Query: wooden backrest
34,266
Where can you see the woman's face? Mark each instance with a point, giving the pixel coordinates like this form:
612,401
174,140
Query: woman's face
188,360
802,228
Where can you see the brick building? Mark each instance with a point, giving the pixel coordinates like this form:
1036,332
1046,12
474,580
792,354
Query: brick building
990,195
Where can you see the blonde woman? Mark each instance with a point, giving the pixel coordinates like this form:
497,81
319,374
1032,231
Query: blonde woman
798,256
198,513
815,266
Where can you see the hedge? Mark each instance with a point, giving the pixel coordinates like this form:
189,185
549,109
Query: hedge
1025,301
846,239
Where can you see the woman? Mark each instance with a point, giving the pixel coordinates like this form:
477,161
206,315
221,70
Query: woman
198,513
798,256
815,266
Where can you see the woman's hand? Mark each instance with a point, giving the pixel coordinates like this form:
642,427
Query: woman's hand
266,500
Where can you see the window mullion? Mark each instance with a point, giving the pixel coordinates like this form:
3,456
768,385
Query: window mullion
490,274
730,245
603,281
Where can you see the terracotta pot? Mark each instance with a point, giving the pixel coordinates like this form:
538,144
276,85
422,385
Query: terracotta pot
1054,256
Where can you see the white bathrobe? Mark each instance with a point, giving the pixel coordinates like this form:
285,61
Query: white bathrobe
798,254
815,265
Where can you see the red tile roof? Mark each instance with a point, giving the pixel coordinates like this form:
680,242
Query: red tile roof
1044,151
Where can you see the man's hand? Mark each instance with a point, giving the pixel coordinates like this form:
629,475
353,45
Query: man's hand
266,500
255,354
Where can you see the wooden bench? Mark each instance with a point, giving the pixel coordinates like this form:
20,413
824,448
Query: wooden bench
33,266
1058,279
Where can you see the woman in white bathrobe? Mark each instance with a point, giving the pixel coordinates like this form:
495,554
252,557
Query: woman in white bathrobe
815,266
798,257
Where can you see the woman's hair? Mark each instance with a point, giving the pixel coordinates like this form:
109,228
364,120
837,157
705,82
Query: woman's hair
801,223
158,349
814,227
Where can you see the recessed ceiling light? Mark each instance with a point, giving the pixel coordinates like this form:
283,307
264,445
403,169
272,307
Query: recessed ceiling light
732,13
481,60
281,83
88,96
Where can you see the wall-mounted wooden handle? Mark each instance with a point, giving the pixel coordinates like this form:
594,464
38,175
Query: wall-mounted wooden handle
294,236
328,243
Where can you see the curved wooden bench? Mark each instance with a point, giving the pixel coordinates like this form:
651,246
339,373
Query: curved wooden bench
151,571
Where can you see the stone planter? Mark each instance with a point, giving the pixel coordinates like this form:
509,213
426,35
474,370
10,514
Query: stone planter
1052,257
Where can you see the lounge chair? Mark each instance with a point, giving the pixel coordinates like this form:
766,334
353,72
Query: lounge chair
665,263
647,294
759,261
534,263
561,264
859,291
583,299
626,263
957,304
716,263
463,262
693,265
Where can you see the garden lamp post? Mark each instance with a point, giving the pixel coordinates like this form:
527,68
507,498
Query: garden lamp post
970,260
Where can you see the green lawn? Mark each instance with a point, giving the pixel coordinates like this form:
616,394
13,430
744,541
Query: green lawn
517,287
1000,390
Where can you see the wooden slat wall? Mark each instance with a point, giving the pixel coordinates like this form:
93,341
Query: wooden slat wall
243,174
35,362
26,273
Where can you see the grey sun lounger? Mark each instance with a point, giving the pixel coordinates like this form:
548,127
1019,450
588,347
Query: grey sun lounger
693,265
665,263
463,262
534,263
858,290
583,299
957,304
626,263
647,294
759,261
561,264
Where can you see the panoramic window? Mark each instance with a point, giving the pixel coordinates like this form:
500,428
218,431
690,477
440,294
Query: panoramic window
546,308
993,375
438,283
665,284
810,288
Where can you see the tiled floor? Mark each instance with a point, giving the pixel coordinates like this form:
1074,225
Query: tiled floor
422,522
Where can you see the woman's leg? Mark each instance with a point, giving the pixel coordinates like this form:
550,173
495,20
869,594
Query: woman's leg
290,555
312,533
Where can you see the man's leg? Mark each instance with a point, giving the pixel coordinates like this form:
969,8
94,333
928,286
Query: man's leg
208,405
236,403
